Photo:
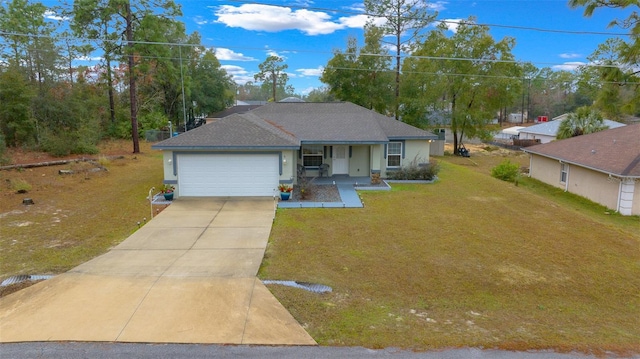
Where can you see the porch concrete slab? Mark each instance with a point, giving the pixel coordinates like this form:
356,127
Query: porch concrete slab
75,307
162,238
243,219
222,237
268,322
192,310
227,263
196,204
182,219
131,263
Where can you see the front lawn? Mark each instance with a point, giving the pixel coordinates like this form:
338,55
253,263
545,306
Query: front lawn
467,261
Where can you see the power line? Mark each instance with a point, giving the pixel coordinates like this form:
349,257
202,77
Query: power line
404,56
514,27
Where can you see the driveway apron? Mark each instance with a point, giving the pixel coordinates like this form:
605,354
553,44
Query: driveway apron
187,276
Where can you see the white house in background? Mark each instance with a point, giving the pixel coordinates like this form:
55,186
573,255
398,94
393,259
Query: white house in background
603,167
546,131
508,133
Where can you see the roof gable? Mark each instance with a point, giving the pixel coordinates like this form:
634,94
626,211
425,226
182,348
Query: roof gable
615,151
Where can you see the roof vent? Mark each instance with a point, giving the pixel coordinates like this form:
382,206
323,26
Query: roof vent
593,151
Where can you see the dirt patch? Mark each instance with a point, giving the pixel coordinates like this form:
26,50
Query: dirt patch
317,193
76,215
4,291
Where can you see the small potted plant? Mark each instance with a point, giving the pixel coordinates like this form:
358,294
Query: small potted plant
167,191
285,191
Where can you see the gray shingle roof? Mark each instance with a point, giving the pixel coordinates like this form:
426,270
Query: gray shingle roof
615,151
233,132
337,122
287,125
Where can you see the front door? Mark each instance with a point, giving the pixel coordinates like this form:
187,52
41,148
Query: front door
340,160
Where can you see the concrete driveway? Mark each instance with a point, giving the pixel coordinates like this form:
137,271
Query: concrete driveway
187,276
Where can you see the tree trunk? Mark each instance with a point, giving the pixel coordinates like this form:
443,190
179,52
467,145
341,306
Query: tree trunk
454,128
274,80
112,103
132,81
398,44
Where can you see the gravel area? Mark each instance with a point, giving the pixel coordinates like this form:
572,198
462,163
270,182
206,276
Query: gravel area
317,193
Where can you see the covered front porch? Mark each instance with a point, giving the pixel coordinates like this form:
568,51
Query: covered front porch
338,161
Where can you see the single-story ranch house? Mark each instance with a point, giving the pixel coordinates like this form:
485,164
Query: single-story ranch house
250,154
603,167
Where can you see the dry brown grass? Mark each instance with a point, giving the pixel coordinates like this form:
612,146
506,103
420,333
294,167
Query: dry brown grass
75,217
467,261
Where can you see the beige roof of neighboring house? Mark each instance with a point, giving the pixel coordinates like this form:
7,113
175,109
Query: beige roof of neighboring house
614,151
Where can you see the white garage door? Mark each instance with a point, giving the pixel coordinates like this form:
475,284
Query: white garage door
221,175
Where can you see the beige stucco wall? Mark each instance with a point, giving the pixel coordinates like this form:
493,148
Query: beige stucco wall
546,170
416,150
413,150
596,186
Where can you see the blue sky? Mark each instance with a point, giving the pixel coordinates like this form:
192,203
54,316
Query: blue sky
306,32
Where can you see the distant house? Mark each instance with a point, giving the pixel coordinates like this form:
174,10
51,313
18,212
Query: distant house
250,154
547,131
603,167
238,109
509,133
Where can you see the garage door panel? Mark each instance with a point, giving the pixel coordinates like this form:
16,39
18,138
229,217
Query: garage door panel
228,175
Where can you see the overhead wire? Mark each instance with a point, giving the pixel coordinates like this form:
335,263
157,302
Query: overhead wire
405,56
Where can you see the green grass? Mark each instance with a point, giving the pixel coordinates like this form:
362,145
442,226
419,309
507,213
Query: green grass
467,261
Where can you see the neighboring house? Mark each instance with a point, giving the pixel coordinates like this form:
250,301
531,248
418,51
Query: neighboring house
508,133
230,111
603,167
250,154
546,131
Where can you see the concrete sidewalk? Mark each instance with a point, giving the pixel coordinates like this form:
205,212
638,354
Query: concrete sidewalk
188,276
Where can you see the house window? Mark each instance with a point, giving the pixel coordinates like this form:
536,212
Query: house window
564,171
312,155
394,154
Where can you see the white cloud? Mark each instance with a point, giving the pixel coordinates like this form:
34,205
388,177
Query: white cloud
438,5
568,66
89,58
224,54
234,70
200,20
317,72
51,15
453,24
307,90
238,73
570,56
275,18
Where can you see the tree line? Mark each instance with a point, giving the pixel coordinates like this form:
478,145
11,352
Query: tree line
466,80
151,72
